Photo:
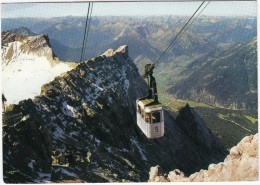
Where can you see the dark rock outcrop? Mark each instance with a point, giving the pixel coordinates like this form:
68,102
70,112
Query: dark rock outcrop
27,145
89,113
195,128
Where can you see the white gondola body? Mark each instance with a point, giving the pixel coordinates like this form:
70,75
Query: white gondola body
154,128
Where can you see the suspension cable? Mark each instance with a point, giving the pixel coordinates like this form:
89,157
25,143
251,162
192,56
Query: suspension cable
86,31
195,19
175,38
89,19
179,33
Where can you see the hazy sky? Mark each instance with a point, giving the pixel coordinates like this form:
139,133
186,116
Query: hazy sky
232,8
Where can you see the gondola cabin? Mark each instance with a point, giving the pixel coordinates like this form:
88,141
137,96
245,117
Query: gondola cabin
150,118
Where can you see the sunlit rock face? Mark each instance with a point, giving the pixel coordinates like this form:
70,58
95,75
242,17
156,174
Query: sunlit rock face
240,165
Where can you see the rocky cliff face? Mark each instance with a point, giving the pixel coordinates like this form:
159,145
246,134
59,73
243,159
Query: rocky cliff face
38,44
240,165
83,127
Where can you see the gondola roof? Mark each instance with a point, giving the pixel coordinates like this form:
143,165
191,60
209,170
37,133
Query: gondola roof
149,103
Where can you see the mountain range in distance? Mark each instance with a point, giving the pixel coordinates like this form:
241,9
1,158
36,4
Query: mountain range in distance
153,32
198,67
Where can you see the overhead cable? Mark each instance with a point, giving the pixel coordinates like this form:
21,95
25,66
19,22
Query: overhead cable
179,33
86,30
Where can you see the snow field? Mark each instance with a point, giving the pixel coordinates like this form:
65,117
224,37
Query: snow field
24,75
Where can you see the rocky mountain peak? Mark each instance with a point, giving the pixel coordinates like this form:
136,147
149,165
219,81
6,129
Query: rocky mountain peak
39,45
13,44
22,31
122,50
8,37
195,128
89,116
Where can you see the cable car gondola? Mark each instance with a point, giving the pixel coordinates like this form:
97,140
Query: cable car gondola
149,111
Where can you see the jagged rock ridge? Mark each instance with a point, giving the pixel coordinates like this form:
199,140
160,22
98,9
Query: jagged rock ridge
240,165
38,44
89,113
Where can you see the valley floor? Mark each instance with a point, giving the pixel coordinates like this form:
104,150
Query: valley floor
230,126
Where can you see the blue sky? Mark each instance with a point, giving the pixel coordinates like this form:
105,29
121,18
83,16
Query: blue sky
232,8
